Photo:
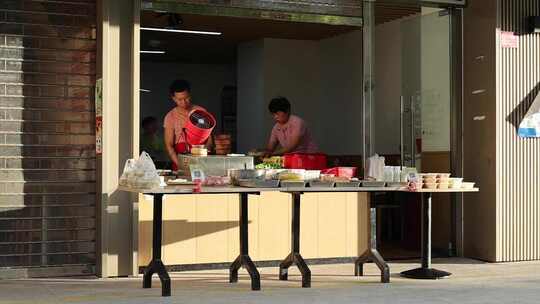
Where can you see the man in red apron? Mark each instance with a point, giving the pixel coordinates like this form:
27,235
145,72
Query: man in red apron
175,121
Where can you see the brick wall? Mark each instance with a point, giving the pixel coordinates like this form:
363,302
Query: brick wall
47,158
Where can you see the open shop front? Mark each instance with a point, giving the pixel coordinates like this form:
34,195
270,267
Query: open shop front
383,88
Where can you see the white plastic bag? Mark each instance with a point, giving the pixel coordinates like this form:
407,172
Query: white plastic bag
140,173
129,166
375,168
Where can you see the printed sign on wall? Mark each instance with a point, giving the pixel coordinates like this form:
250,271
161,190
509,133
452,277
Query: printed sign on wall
99,116
509,40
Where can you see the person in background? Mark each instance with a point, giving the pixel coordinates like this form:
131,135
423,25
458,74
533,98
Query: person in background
175,121
150,139
290,133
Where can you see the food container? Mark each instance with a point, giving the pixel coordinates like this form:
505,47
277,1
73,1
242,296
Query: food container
455,182
430,185
321,184
315,161
351,184
442,186
312,175
429,177
467,185
245,174
293,184
291,176
258,183
349,172
374,184
443,175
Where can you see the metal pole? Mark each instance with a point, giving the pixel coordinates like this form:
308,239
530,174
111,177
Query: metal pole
244,224
157,225
426,231
401,149
368,79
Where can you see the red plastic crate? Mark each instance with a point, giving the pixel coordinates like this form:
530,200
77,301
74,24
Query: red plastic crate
306,161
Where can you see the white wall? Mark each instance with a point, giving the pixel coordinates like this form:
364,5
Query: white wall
206,80
251,103
322,79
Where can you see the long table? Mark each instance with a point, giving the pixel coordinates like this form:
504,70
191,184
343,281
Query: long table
156,265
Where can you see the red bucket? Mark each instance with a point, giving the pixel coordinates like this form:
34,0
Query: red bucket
199,126
308,161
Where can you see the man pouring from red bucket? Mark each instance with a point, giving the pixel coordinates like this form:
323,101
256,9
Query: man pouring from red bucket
186,124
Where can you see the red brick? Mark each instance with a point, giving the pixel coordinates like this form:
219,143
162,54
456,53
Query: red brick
68,44
80,92
10,77
52,91
61,32
11,53
13,41
14,65
50,8
9,28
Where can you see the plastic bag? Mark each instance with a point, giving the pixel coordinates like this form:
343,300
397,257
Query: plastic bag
129,166
140,173
375,168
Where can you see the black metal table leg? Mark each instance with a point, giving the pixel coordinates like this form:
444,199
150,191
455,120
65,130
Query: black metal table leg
371,253
294,257
426,272
243,259
156,265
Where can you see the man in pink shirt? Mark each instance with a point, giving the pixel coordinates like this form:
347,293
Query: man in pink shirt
290,133
175,121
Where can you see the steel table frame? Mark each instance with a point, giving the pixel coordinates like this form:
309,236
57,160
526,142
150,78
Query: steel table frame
156,264
371,254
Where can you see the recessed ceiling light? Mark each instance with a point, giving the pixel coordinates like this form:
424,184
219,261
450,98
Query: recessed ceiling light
152,52
180,31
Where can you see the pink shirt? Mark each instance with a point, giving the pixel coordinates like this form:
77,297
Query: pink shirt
284,134
176,119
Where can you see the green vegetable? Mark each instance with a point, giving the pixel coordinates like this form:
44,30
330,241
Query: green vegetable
268,166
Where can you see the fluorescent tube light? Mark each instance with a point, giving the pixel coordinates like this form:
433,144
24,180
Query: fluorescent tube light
145,91
152,52
179,31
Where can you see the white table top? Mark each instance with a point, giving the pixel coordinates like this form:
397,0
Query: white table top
188,189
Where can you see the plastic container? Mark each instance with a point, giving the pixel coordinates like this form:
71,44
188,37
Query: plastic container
467,185
455,182
316,161
199,126
430,185
442,186
349,172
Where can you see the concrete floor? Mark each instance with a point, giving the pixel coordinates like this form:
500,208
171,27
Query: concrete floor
471,282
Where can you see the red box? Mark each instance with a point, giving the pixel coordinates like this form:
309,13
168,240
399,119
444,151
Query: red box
304,161
349,172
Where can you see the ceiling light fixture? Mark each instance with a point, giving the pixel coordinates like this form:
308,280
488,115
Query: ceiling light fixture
152,52
179,31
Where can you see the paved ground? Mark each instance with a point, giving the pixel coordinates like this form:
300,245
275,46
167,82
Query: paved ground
472,282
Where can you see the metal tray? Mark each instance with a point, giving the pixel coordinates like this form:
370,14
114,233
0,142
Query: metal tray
258,183
321,184
396,184
352,184
293,184
373,184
